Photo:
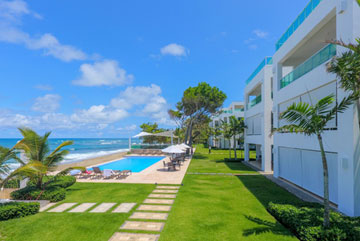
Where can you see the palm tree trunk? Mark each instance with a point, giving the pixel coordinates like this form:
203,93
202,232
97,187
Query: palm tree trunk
326,184
235,147
229,150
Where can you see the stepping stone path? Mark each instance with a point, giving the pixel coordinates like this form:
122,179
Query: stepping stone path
62,207
143,226
47,206
164,191
124,208
159,201
102,208
162,208
145,215
163,197
82,208
168,187
134,237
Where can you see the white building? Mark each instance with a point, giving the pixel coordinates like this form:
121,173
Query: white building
258,115
235,109
300,75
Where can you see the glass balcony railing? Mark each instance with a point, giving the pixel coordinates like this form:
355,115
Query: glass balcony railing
254,102
316,60
266,61
239,109
298,21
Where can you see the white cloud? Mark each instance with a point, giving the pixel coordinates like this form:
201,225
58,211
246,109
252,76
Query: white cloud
43,87
174,50
99,114
11,13
106,72
127,128
260,33
47,103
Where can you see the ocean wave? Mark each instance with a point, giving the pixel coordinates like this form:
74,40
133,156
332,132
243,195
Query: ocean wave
76,157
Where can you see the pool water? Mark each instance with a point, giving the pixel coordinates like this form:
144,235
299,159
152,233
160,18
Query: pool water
133,163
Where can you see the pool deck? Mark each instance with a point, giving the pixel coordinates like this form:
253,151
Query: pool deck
156,173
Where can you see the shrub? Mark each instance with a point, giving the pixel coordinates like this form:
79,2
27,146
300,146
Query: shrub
17,209
13,183
60,181
53,194
306,222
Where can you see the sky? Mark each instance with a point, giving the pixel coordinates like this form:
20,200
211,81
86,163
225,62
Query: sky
102,68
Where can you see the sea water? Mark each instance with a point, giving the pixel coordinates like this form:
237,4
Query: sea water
83,148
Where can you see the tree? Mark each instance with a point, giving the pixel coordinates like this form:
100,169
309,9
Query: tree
39,159
153,128
6,155
227,133
237,127
347,67
215,132
311,120
197,102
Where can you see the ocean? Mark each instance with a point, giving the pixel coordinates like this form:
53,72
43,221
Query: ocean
83,148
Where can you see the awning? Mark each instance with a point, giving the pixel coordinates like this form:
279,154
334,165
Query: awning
165,133
173,149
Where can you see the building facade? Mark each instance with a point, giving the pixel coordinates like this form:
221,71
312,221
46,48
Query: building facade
258,115
299,73
235,109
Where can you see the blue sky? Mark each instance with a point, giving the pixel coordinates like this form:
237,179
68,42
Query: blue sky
101,68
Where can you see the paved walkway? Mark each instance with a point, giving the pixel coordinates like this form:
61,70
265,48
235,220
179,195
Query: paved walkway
93,207
149,216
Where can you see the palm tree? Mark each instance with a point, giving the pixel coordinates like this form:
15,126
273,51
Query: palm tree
227,133
311,120
6,155
40,160
347,66
237,127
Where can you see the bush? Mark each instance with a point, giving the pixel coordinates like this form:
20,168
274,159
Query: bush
17,210
53,194
306,222
60,181
13,183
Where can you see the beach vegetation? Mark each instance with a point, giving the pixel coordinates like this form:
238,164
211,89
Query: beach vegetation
12,210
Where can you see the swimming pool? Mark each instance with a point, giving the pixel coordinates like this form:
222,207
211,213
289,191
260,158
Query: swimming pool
133,163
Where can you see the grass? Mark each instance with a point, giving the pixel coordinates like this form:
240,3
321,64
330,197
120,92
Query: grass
225,207
78,226
214,162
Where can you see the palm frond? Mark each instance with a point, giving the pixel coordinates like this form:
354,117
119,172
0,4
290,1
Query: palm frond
292,128
324,104
65,143
298,114
341,107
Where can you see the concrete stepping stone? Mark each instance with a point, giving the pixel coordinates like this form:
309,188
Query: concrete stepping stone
147,215
62,207
164,191
163,208
134,237
167,187
162,195
82,208
47,206
124,208
159,201
143,226
102,208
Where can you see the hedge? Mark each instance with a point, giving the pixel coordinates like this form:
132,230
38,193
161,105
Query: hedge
17,210
14,183
53,194
60,181
306,222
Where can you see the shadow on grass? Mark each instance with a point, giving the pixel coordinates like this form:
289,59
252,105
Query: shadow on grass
266,227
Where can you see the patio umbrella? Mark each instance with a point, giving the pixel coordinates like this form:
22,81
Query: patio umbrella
141,134
173,149
183,145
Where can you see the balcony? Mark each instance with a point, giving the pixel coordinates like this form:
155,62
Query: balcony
266,61
254,102
298,21
314,61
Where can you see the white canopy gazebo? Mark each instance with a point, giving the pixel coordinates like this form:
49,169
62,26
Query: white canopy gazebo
164,134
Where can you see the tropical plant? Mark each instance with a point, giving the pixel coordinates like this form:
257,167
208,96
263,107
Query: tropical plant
237,127
227,133
311,120
7,155
347,66
39,159
197,102
215,133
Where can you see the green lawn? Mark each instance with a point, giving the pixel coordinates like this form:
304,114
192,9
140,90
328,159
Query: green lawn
214,162
225,207
78,226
